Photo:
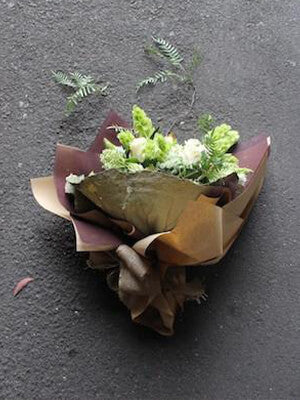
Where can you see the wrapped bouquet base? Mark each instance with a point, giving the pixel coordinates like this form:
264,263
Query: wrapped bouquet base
144,229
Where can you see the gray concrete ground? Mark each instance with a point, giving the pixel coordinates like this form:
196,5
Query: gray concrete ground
66,336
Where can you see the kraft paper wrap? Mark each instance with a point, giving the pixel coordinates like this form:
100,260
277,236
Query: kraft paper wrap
149,271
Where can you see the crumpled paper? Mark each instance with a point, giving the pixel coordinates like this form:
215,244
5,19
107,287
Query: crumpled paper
146,266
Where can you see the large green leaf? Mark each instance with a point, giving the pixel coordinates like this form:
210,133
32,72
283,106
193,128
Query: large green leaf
151,201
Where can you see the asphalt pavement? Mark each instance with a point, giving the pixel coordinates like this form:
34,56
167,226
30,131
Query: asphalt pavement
66,335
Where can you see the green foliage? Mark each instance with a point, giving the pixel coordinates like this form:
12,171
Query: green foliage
205,123
82,85
63,79
216,162
176,70
160,76
168,51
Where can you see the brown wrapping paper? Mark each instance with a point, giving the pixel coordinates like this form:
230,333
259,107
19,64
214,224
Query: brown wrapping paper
149,272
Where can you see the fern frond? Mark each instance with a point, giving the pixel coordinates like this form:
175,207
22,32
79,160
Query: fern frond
168,51
83,86
160,76
71,104
81,80
205,123
117,128
78,96
63,79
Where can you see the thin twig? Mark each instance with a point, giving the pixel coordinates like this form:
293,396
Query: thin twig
184,115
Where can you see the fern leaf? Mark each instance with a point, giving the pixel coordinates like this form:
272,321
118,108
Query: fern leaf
71,104
63,79
81,80
83,86
168,51
205,123
160,76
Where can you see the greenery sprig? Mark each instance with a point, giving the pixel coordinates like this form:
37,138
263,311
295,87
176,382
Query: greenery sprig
177,69
175,61
82,85
216,161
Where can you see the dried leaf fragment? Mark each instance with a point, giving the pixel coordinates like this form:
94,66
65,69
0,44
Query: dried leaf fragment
21,284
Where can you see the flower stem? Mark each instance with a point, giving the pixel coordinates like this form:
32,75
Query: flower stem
188,111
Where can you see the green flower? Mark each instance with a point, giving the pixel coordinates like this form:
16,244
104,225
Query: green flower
164,142
142,124
134,167
224,137
125,137
113,158
152,151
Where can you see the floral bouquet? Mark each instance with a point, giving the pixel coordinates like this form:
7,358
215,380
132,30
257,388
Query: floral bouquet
146,207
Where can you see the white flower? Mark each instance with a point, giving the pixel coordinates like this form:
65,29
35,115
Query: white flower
137,148
183,156
120,150
72,180
174,159
192,151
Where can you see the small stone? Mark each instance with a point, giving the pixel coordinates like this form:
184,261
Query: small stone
291,63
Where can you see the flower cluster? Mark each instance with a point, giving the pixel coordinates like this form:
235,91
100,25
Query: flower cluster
145,147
